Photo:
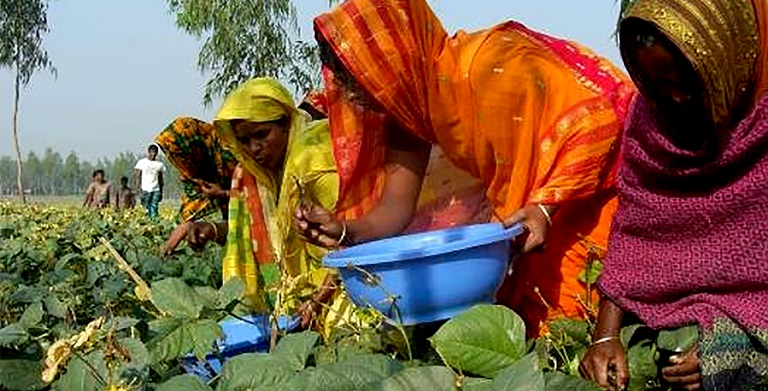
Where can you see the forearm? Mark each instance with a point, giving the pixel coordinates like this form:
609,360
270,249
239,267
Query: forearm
385,220
405,171
609,320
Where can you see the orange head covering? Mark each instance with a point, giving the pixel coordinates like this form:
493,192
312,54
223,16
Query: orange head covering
534,117
316,101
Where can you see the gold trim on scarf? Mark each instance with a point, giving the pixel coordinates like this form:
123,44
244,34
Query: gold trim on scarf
719,37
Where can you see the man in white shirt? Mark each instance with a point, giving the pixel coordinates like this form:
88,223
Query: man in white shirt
148,179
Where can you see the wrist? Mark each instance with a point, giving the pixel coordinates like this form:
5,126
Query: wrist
605,340
547,211
344,236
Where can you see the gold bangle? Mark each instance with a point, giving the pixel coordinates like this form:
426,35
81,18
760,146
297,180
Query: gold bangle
604,340
544,210
343,234
215,230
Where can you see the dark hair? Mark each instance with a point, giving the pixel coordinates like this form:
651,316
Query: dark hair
124,180
312,111
153,148
342,75
283,122
97,172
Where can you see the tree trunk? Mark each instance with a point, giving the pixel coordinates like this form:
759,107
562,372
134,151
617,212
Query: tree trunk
19,162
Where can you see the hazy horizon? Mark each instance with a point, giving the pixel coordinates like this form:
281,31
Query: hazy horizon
123,79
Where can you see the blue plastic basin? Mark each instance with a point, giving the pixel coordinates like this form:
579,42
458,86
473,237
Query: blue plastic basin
429,276
240,336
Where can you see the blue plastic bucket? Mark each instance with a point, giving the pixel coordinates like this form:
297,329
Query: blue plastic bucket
429,276
247,335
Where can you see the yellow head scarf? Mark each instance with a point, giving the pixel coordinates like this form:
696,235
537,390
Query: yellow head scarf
719,37
258,100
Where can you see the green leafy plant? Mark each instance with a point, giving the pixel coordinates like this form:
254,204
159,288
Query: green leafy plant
87,304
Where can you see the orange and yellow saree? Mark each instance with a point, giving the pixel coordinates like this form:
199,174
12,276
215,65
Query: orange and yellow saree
534,118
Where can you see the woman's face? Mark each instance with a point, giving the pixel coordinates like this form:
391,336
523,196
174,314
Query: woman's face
265,142
668,79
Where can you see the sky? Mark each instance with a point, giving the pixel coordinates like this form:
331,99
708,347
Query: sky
125,71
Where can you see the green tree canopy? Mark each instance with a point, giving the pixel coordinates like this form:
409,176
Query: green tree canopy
247,38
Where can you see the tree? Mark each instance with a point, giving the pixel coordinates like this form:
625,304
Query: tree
71,174
247,38
33,173
7,175
52,167
23,23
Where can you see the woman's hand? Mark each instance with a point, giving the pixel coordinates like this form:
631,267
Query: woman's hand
200,233
213,190
197,234
318,226
308,311
606,364
536,223
179,233
314,306
684,371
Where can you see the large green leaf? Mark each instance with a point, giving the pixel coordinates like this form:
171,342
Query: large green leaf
477,384
254,371
174,297
232,290
357,374
137,355
678,340
295,349
183,383
556,381
13,334
84,377
207,295
32,315
643,371
178,338
419,379
628,334
482,341
20,375
524,375
574,333
55,307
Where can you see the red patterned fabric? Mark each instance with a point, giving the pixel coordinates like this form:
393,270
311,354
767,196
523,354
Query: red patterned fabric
317,100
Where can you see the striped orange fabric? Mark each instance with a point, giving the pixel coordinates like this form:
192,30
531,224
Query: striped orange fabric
535,118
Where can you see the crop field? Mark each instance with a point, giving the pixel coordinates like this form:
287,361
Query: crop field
88,304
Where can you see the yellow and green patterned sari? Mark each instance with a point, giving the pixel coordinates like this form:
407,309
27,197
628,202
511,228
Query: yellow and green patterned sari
280,270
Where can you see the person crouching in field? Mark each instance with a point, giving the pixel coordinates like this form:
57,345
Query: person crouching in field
97,195
125,197
205,168
148,178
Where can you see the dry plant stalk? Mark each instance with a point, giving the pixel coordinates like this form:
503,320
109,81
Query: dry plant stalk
142,289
